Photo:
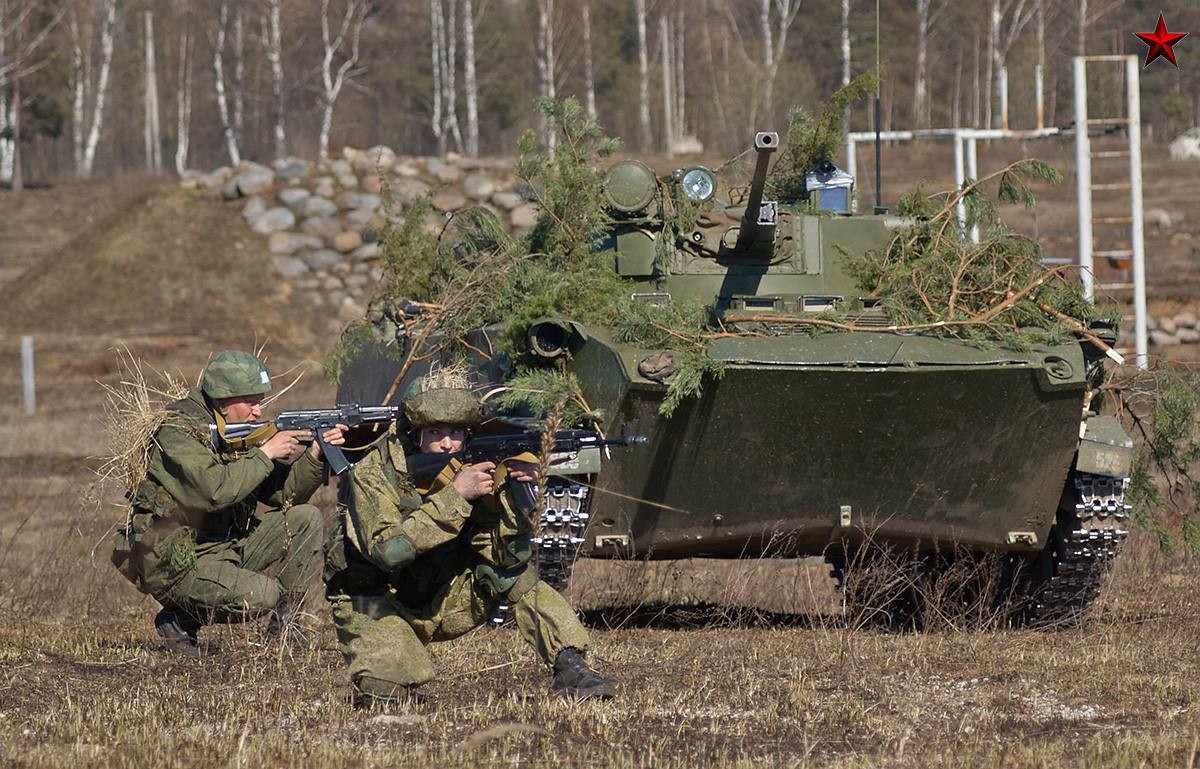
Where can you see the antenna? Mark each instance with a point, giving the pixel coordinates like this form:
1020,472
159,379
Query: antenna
878,115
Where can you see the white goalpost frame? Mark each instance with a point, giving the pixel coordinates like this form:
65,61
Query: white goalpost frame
966,167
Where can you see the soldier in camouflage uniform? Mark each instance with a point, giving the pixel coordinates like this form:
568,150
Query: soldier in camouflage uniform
405,568
194,539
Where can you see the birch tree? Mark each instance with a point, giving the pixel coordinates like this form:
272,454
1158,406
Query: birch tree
469,82
1006,19
545,68
345,44
846,61
239,73
436,20
589,78
643,75
106,53
25,26
929,13
218,65
273,42
775,20
664,46
183,96
153,133
680,24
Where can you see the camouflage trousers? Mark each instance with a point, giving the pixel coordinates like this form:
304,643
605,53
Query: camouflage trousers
232,582
384,641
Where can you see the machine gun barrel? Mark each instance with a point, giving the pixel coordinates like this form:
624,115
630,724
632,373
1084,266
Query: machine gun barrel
765,142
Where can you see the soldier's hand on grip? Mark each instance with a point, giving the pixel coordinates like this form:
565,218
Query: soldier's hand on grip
284,445
475,481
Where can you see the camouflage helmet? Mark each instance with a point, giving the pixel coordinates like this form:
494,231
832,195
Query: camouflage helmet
443,398
233,374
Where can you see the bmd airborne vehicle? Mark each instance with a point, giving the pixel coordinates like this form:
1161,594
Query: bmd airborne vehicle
816,444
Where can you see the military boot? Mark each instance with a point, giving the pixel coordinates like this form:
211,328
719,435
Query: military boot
573,678
178,632
285,623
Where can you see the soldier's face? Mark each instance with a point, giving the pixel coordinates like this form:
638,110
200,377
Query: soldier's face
245,408
442,439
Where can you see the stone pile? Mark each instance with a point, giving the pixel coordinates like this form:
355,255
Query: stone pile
323,221
1167,330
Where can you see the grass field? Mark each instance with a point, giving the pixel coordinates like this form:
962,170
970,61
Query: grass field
83,684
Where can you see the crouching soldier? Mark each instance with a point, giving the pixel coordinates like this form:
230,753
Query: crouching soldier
194,539
407,567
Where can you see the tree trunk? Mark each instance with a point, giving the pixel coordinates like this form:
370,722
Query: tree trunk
680,81
6,149
183,101
545,68
469,84
764,20
846,60
715,85
1081,29
975,92
450,75
227,127
106,54
275,58
664,43
78,94
239,74
18,175
643,77
589,80
153,134
435,45
993,68
956,106
351,24
919,84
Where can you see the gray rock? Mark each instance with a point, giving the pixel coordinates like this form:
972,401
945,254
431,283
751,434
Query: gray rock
350,311
367,252
379,159
340,168
1160,338
406,169
406,191
319,206
274,220
349,181
290,267
325,190
357,280
347,200
294,197
230,191
478,187
372,184
360,218
292,168
368,200
291,242
507,200
1185,319
443,171
255,181
307,283
254,208
1167,324
213,181
376,274
524,216
341,268
1188,336
321,227
1186,146
332,283
449,200
321,259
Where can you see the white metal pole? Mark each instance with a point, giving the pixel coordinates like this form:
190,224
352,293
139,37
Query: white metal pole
973,175
1040,94
27,374
1083,179
1004,98
1135,194
959,177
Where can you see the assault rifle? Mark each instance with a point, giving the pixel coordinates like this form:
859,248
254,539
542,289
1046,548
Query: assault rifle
316,421
424,468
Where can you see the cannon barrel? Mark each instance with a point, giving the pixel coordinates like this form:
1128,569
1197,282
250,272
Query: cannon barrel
765,142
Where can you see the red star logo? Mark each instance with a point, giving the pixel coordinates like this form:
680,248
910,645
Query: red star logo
1160,42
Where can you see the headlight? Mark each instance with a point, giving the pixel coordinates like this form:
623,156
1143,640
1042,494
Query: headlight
699,184
629,186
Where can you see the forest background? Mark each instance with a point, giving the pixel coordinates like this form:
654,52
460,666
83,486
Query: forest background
100,87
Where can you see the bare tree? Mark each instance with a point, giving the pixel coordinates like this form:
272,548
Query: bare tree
274,53
436,44
545,68
643,76
346,44
846,60
680,23
27,24
1005,21
183,97
929,13
589,78
106,54
775,20
469,82
664,45
218,64
153,133
239,73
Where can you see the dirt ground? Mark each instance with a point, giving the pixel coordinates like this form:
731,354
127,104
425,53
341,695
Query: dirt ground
88,267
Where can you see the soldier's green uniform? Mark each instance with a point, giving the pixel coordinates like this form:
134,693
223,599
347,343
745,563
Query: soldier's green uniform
194,540
403,571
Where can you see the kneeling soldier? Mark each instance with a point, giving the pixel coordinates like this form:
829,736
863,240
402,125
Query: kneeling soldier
194,540
406,568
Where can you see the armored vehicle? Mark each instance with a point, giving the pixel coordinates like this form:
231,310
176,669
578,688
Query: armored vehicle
815,444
